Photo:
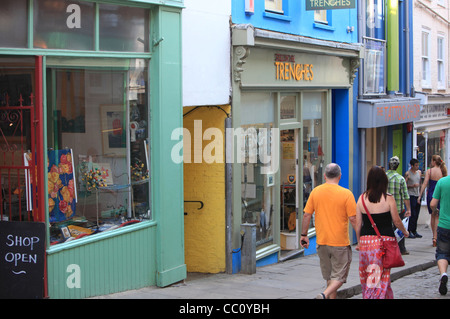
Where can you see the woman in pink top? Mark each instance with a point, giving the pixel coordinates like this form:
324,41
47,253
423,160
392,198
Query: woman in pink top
375,279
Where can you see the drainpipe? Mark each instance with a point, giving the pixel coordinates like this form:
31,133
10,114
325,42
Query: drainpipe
407,41
228,200
362,131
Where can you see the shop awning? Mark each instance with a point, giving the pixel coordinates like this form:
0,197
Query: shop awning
385,112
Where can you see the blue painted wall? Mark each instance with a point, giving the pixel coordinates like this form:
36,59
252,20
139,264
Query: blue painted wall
312,249
297,20
341,133
405,23
356,141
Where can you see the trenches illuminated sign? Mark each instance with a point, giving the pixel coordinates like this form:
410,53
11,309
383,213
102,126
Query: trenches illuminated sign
287,69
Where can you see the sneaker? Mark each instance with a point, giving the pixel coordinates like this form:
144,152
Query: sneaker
443,285
418,235
411,235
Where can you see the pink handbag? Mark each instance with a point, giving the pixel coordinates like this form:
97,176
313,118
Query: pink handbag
392,256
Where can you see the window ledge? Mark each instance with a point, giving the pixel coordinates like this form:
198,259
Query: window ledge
281,17
100,236
323,27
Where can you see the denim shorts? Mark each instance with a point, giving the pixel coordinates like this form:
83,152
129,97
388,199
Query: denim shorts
443,244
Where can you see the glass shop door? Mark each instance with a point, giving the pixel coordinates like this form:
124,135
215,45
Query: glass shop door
289,206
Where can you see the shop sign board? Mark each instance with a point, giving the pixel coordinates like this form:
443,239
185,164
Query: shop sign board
434,111
267,68
287,68
330,4
22,254
386,112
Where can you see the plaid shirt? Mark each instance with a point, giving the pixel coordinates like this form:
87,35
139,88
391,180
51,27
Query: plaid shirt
397,187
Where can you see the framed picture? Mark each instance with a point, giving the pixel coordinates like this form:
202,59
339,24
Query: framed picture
113,122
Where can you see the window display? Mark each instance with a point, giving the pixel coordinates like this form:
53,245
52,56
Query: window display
258,191
429,144
98,157
314,133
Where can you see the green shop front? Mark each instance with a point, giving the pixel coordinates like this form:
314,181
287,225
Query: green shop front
90,92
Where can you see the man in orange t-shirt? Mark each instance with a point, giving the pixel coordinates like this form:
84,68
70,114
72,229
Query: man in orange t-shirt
334,207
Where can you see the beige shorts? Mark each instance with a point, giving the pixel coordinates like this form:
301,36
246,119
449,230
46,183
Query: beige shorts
335,262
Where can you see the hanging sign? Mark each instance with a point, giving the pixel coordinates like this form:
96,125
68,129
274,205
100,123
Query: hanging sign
22,254
329,4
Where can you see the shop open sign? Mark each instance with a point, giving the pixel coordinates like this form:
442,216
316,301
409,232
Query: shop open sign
22,254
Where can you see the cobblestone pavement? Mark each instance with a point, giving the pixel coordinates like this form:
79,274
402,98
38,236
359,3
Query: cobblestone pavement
419,285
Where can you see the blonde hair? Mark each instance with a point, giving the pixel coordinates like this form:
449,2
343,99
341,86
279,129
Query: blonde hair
439,162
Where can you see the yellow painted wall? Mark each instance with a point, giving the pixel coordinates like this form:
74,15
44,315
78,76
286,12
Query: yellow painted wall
205,228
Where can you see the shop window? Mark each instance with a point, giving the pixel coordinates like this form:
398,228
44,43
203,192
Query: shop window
421,151
13,23
257,184
98,135
288,107
123,28
429,144
436,145
63,24
314,133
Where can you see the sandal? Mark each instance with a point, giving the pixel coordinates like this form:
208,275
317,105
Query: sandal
434,242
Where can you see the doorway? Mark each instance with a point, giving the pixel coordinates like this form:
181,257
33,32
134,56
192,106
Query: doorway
289,224
21,155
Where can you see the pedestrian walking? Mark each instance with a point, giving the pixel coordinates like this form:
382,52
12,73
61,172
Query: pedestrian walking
432,176
334,206
376,280
397,187
441,196
412,178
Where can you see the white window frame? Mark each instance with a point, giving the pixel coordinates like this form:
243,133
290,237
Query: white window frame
321,16
425,52
374,67
274,6
441,76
